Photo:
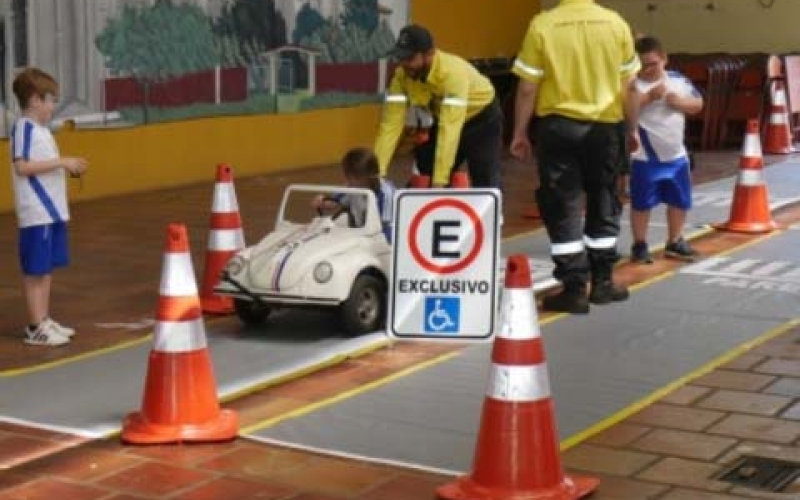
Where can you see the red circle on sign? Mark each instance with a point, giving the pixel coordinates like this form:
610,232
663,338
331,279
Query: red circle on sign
451,268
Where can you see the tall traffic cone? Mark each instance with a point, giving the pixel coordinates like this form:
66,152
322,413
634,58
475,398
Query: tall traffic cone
180,395
778,140
750,208
224,240
517,452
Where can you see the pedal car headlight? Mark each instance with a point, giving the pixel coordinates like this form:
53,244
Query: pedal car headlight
323,272
235,265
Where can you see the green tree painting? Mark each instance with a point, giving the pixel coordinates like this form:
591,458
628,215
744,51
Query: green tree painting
158,42
255,25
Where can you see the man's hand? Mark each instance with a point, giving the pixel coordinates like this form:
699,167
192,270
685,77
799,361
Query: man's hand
75,166
521,148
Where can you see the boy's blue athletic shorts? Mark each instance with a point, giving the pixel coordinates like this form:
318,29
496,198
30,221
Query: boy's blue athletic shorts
653,183
43,248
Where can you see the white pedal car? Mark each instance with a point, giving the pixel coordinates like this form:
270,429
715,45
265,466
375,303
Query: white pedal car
338,261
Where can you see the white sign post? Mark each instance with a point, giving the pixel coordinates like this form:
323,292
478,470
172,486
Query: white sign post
444,264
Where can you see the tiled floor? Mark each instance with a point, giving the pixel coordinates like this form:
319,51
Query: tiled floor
670,450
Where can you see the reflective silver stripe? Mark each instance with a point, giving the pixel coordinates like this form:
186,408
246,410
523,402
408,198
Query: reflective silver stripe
750,177
455,101
180,336
396,98
519,383
226,239
177,276
224,198
779,118
566,248
518,318
630,65
528,69
600,243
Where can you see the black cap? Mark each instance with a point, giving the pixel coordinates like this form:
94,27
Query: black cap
412,40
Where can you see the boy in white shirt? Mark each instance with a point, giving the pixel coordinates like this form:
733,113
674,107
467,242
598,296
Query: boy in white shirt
40,197
660,168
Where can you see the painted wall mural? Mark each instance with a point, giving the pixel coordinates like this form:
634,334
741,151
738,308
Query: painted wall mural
144,61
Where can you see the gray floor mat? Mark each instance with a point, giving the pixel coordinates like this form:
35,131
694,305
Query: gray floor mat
599,364
91,397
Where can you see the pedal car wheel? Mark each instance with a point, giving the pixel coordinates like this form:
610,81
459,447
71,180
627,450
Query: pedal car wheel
363,311
250,312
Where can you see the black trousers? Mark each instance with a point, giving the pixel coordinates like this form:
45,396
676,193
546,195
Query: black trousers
480,146
578,168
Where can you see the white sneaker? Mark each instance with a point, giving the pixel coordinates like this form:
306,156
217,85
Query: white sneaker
44,334
62,330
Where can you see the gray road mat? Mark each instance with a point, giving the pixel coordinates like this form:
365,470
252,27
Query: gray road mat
599,364
92,396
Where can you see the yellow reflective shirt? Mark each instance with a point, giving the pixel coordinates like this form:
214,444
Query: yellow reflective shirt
578,53
454,91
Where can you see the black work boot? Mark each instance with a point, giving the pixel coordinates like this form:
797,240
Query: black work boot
605,291
572,299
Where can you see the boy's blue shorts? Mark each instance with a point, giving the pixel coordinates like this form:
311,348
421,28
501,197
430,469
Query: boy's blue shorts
654,183
43,248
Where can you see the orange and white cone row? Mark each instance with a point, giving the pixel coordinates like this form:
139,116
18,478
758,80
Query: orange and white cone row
225,239
180,395
750,212
517,451
779,133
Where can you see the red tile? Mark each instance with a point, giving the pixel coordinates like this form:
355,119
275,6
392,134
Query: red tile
51,489
235,488
258,460
154,479
407,487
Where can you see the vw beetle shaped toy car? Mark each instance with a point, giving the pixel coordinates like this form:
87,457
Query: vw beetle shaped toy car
338,260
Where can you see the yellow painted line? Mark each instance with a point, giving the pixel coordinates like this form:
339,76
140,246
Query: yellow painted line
15,372
660,393
347,394
335,360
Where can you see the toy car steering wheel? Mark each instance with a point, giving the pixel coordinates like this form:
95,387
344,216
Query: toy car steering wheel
342,209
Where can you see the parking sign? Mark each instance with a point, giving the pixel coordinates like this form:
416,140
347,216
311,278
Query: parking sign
444,264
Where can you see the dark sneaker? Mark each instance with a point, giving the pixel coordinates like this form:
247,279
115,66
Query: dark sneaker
606,292
680,250
569,301
641,253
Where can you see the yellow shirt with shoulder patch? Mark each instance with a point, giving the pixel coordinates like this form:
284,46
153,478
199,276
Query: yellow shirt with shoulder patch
454,91
578,53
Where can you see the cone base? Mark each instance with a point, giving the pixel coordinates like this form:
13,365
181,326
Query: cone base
464,488
531,213
779,151
217,305
137,430
747,227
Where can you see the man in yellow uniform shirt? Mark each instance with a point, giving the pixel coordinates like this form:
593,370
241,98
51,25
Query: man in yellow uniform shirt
447,94
576,67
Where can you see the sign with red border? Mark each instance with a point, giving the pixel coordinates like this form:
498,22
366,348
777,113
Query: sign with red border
444,264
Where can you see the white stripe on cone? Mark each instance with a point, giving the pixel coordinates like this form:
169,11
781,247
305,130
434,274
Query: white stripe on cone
518,319
180,336
221,240
519,383
177,278
752,146
750,177
224,198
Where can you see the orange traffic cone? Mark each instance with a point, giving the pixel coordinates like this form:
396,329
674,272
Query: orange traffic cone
418,180
224,240
460,180
779,135
750,208
517,452
180,396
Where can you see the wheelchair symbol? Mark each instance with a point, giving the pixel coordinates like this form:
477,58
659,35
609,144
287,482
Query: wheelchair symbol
441,314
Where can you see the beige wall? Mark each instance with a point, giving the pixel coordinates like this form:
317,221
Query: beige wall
738,26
